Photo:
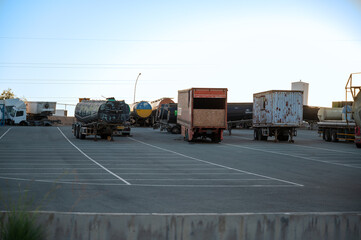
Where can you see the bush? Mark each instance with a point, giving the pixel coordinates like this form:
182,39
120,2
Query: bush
21,225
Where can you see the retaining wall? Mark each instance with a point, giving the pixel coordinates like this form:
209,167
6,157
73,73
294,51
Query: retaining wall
277,226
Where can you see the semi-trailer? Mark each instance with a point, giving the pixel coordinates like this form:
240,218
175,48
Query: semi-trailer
357,116
336,124
277,113
166,118
202,113
104,118
343,121
140,113
32,113
156,108
239,115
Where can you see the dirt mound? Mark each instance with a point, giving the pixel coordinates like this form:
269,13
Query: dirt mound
65,121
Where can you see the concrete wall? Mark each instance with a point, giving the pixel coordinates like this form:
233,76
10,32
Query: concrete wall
61,226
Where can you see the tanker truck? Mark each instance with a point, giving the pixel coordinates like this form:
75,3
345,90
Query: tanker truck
343,123
104,118
140,113
336,124
356,109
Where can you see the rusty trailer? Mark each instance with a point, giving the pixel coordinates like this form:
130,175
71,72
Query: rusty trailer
277,113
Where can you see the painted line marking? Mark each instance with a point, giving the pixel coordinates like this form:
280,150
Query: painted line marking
56,181
5,133
192,179
93,159
215,164
298,145
327,149
289,155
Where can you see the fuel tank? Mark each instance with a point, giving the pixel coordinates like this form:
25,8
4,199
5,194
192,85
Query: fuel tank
88,111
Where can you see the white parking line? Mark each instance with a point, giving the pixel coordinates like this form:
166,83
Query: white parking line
4,133
327,149
215,164
290,155
94,160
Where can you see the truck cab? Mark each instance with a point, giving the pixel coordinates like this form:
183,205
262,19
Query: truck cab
18,116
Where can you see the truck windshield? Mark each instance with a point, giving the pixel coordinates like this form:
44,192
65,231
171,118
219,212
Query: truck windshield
12,113
19,113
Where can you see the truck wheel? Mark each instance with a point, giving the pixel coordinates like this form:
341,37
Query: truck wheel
328,135
334,136
358,145
175,130
82,136
259,136
77,131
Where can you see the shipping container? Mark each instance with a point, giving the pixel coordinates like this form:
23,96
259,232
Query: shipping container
202,113
277,113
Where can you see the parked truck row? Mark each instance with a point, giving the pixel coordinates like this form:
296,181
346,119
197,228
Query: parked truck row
27,113
201,113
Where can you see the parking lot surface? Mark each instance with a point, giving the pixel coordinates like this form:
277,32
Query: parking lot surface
158,172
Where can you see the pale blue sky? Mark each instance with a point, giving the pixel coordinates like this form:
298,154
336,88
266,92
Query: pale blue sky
62,50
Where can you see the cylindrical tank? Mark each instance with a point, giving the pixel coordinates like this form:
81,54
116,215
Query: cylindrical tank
88,111
347,113
159,102
239,111
141,109
310,113
356,109
329,114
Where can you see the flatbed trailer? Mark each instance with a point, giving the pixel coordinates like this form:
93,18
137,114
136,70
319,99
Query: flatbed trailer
334,131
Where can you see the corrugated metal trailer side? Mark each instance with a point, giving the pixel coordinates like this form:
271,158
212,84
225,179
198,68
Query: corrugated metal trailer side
277,113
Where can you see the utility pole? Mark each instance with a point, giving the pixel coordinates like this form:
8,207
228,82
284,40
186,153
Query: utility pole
135,86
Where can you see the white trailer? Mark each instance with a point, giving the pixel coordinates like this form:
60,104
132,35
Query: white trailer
277,113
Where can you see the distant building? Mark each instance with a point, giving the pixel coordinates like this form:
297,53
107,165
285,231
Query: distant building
301,86
61,113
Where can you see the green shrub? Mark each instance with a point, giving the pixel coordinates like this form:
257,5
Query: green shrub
21,225
19,222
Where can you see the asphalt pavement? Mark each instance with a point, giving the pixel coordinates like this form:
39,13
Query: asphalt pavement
158,172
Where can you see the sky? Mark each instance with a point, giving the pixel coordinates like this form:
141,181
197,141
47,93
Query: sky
64,50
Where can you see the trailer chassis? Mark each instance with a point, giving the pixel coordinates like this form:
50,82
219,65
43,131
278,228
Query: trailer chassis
281,134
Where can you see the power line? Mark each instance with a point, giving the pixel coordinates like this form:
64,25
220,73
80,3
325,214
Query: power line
99,39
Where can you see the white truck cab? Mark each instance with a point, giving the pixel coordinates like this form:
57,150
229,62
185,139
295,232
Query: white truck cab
18,114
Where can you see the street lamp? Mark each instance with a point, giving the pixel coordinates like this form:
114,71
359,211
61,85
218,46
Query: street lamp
135,86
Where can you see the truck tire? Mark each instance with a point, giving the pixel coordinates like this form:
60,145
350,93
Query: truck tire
78,131
175,130
260,137
334,136
82,136
358,145
328,135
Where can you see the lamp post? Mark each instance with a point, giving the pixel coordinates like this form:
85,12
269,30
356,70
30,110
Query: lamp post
135,86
